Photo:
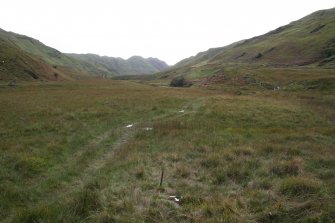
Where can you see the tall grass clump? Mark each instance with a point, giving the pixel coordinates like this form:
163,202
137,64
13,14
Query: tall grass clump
299,186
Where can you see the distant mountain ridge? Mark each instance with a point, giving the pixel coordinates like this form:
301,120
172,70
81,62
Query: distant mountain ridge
26,58
118,66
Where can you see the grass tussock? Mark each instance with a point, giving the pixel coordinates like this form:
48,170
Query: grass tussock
258,157
300,186
288,168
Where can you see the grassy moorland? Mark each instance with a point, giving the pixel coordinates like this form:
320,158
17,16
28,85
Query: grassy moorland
263,156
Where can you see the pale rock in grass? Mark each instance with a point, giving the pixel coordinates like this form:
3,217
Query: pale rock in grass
130,126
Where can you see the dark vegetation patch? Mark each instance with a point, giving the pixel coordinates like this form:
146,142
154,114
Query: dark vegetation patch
258,56
31,73
329,54
241,55
330,51
317,29
180,81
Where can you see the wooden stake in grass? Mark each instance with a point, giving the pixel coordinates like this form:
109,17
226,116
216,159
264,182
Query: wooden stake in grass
162,177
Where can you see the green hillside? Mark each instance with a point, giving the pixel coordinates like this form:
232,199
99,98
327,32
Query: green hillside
18,64
298,55
310,40
69,65
26,48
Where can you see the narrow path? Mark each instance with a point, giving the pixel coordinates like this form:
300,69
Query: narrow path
94,165
60,169
101,161
77,182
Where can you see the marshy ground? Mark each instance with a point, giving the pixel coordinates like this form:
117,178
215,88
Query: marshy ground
263,156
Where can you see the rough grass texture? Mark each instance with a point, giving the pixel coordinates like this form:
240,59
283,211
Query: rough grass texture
66,155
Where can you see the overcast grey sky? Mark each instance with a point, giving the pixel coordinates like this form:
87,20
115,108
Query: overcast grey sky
167,29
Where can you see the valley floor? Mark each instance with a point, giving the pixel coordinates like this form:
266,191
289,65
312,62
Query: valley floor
67,154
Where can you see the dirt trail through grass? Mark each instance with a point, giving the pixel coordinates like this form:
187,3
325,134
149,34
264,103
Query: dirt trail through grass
96,164
102,153
78,181
124,135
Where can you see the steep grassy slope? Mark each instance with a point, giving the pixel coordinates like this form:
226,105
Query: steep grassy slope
266,157
310,40
76,65
17,64
27,48
118,66
298,55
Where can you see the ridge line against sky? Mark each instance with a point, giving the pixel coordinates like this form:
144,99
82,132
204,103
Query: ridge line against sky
169,30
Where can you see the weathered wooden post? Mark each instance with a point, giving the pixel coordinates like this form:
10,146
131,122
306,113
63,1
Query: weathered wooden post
162,177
